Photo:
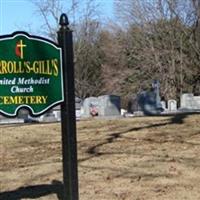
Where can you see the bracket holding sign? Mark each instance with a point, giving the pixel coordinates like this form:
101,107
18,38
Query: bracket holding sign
37,74
30,74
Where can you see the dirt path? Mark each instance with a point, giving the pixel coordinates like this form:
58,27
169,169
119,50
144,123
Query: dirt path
145,158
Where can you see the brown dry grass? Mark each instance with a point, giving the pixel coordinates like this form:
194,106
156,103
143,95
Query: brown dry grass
144,158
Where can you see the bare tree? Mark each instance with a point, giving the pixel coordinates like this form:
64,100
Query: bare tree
166,30
87,53
157,39
86,29
49,11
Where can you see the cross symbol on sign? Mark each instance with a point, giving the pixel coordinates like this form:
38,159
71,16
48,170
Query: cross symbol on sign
19,49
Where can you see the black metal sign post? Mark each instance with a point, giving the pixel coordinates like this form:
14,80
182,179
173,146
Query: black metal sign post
68,120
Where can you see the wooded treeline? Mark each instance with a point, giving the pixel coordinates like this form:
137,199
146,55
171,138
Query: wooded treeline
147,40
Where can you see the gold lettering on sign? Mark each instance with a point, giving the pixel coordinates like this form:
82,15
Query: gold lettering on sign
17,100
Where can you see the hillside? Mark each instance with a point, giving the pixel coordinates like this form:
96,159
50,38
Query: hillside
142,158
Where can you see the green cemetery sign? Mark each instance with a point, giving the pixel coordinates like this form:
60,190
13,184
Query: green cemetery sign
30,74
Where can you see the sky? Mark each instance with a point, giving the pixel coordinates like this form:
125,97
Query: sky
21,15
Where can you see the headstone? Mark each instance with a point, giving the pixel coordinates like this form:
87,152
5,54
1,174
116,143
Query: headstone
149,103
78,106
11,121
106,105
133,105
109,105
23,113
48,117
172,105
91,107
57,114
189,101
123,112
163,104
78,103
156,89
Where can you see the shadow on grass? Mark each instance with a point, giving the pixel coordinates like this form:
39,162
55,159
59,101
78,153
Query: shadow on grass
34,192
178,119
93,150
98,150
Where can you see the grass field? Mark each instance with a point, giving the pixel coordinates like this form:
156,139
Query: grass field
142,158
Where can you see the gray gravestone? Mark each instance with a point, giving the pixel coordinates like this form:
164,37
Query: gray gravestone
133,105
189,101
163,104
149,101
90,104
109,105
172,105
78,103
48,117
156,88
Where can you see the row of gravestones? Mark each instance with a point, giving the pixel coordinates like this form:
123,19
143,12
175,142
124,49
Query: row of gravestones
149,103
188,102
109,105
106,105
